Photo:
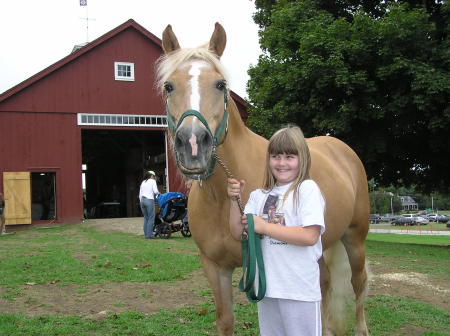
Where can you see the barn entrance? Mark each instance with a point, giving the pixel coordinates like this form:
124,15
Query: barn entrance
113,166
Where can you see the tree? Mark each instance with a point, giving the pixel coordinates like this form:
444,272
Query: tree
375,74
380,203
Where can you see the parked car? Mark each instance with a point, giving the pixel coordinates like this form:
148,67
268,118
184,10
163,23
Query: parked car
432,217
443,219
417,219
438,218
388,217
374,218
404,221
421,220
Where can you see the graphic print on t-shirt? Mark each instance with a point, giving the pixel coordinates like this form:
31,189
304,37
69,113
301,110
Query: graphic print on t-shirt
273,209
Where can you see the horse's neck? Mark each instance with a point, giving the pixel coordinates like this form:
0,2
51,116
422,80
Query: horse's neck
239,146
239,139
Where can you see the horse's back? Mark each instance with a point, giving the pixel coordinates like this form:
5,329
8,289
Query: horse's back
342,179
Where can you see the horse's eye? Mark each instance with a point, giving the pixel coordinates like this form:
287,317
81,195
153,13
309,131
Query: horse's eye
168,87
221,85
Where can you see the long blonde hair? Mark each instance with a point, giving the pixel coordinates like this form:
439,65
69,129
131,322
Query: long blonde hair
288,140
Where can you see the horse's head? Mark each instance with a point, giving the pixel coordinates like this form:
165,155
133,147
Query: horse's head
194,84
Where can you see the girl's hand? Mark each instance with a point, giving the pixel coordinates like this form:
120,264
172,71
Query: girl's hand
244,223
235,188
260,224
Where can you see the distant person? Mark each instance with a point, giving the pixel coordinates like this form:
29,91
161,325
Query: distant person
2,214
147,193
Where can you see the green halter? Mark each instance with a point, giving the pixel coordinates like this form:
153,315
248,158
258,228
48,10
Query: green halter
220,132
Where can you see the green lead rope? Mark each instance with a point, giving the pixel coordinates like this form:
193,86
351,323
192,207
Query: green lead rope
252,259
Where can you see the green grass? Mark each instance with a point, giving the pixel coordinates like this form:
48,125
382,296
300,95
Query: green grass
82,256
410,239
432,226
433,260
388,315
195,320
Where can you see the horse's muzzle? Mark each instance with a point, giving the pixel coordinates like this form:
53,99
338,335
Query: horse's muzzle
193,148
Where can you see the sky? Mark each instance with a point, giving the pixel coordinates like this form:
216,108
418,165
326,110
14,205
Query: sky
35,34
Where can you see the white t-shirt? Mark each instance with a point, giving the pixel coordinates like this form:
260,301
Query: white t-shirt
292,271
148,189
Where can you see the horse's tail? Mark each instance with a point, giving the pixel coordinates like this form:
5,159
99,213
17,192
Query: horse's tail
335,309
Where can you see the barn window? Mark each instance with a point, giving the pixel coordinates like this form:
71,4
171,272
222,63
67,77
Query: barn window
124,71
87,119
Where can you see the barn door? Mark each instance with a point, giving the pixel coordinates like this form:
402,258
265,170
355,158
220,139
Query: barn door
17,190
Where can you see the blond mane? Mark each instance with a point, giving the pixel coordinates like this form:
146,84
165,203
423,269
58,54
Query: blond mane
170,62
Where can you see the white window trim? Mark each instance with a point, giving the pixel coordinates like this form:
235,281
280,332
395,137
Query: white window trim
121,120
124,78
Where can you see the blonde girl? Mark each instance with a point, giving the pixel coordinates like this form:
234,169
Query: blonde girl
289,212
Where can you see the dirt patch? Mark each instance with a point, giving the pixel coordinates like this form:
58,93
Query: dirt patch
127,225
421,287
94,301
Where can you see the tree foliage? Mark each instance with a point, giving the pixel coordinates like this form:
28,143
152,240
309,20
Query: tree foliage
380,203
375,74
380,199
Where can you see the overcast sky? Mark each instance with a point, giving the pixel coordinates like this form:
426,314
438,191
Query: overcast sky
35,34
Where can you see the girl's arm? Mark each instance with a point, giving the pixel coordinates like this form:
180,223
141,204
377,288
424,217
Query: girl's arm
296,235
234,190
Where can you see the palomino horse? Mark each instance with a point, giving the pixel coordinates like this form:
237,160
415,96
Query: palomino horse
203,120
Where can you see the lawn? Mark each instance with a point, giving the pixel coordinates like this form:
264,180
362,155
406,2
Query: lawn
420,239
432,226
80,258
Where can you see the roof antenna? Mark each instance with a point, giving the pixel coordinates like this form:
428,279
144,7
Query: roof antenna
83,3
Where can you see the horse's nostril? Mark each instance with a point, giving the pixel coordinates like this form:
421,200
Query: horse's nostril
204,139
178,142
207,141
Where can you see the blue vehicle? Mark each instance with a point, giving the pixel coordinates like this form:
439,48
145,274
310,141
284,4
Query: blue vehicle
172,215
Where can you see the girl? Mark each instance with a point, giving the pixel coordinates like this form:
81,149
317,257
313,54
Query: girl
289,212
147,193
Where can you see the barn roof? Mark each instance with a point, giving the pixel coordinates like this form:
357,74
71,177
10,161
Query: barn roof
81,49
77,52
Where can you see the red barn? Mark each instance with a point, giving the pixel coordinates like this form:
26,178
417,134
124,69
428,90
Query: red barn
76,137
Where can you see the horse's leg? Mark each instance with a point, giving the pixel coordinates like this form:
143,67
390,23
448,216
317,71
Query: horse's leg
220,282
353,241
324,287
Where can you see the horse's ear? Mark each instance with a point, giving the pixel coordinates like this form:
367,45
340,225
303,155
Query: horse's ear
218,40
169,40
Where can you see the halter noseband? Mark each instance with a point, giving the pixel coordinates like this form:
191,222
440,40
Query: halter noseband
220,132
